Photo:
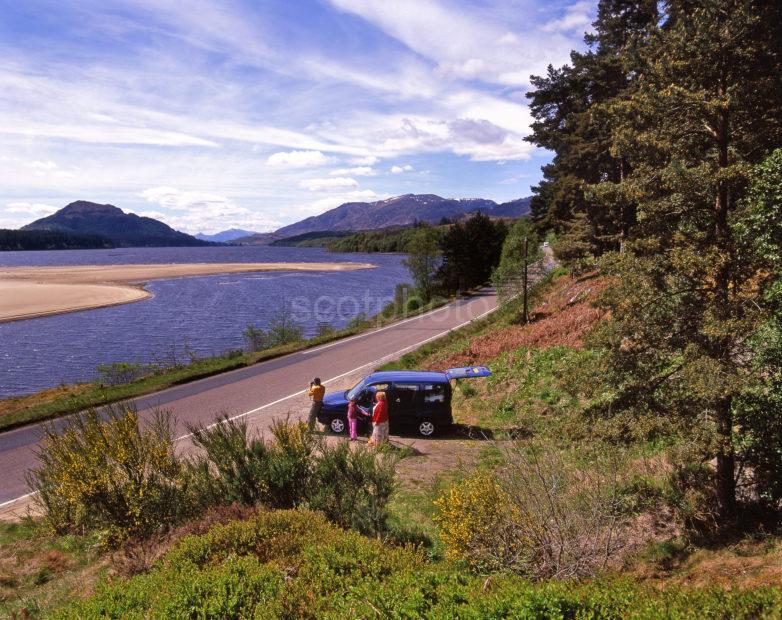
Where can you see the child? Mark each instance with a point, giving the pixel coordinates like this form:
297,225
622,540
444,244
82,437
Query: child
354,411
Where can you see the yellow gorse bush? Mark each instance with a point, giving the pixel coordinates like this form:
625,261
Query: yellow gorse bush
105,472
470,515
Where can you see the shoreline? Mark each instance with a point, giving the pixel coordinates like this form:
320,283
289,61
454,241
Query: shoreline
34,292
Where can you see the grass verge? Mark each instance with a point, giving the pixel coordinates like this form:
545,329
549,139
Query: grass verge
39,571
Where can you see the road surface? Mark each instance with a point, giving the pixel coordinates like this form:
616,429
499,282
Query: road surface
264,391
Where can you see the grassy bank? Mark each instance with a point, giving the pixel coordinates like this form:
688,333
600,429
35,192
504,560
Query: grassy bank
68,399
296,565
460,339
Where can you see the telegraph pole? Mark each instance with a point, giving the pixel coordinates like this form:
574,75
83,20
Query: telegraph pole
526,261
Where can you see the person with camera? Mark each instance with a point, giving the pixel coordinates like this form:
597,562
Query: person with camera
316,393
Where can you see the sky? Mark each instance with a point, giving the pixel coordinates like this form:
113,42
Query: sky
213,114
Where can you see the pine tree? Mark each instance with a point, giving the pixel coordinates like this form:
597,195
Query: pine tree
563,104
706,106
574,247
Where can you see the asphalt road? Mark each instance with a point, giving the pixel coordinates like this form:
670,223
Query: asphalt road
265,390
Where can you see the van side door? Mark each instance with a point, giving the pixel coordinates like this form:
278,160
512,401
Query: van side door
404,403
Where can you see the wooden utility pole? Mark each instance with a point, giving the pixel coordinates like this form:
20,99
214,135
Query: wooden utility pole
526,261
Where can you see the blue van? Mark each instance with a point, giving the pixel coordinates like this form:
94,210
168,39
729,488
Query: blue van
419,401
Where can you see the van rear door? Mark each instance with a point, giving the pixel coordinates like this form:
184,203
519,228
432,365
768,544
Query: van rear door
468,372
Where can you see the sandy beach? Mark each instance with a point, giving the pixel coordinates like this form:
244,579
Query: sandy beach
28,292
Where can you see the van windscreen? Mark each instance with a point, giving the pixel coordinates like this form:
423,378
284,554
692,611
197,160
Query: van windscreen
355,390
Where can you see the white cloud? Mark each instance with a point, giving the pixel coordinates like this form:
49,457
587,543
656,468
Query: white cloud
50,169
470,69
468,43
335,184
17,214
368,160
401,169
298,159
577,17
203,212
37,209
359,171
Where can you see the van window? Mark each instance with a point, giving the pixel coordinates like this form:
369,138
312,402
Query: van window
366,398
405,393
434,392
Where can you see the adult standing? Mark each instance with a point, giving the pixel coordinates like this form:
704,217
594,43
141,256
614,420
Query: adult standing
379,421
316,393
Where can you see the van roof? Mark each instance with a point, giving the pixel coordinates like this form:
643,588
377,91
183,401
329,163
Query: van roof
408,375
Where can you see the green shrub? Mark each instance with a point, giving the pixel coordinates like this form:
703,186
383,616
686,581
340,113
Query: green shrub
104,472
282,329
693,496
352,487
325,330
360,321
250,470
257,339
232,354
402,293
294,564
120,373
413,304
294,468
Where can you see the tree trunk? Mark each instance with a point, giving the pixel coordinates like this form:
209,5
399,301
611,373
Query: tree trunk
726,456
726,463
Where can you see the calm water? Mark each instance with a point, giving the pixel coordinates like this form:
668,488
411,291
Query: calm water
205,315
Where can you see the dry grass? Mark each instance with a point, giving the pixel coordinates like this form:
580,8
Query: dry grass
38,571
562,318
748,563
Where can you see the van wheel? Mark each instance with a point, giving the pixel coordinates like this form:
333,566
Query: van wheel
337,426
426,428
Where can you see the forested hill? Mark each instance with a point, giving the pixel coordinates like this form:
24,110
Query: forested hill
123,229
11,240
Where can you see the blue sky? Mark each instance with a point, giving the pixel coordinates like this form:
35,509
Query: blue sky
257,113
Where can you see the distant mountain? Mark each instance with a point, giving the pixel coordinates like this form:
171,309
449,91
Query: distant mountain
227,235
124,229
399,211
514,208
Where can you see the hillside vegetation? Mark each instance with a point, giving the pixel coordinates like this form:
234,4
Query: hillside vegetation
25,240
389,240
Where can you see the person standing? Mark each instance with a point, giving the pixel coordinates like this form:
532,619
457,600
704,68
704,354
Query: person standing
316,393
379,421
354,413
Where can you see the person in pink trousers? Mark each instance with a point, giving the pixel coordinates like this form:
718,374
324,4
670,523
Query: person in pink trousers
354,414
